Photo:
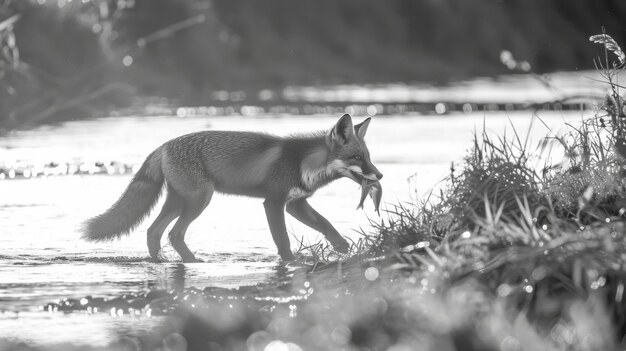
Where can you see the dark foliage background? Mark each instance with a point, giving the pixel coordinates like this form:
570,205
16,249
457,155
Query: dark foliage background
189,48
400,40
245,43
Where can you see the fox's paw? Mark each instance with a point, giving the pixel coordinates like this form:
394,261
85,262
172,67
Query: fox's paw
341,245
287,256
157,256
157,259
192,260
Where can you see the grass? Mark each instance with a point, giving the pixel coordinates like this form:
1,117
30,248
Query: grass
540,251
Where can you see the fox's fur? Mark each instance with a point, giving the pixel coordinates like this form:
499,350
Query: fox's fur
283,170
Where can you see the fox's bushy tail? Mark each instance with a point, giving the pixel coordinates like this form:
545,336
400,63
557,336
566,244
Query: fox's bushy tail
132,207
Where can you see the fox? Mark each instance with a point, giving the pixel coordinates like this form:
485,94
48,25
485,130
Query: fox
285,171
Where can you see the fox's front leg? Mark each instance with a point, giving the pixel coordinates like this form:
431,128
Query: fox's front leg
302,211
275,211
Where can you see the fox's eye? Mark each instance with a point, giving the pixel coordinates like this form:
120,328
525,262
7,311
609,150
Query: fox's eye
357,157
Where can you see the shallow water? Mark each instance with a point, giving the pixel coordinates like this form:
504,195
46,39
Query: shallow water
42,257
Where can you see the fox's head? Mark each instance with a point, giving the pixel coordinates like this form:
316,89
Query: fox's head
348,154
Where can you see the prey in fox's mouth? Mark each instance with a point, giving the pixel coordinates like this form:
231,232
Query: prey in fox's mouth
374,189
369,183
362,177
356,173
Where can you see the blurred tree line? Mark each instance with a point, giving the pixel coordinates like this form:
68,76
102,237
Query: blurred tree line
60,59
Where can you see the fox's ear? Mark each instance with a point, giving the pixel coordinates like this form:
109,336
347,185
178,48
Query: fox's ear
361,128
343,130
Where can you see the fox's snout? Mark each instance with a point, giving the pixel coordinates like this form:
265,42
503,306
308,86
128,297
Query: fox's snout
370,169
376,175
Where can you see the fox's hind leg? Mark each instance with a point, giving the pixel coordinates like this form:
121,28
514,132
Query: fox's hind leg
172,208
194,203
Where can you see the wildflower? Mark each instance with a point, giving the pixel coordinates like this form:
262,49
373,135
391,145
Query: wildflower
609,44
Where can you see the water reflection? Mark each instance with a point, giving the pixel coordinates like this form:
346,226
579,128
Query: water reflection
282,272
178,275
